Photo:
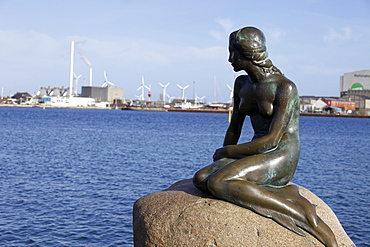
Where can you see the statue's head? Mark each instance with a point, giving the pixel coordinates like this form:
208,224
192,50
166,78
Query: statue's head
251,43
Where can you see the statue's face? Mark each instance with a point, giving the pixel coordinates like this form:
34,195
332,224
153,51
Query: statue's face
235,59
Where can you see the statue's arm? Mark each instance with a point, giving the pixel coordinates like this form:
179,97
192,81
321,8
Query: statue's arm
283,111
237,118
236,123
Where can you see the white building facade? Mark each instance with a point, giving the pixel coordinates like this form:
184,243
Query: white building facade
358,80
355,87
65,101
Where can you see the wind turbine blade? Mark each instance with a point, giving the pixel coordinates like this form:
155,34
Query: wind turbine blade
161,85
167,85
179,86
186,87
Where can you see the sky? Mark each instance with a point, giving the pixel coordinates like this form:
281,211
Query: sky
184,42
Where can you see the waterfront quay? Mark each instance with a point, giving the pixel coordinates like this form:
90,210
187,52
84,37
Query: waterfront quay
172,109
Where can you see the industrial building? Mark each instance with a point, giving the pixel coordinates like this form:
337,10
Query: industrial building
90,96
55,96
316,104
103,94
355,87
358,80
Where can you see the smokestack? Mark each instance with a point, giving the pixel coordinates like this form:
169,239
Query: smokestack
71,69
90,76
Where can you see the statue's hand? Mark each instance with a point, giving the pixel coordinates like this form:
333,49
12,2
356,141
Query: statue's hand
220,153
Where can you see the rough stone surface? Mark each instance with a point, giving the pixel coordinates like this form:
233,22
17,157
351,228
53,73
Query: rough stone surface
183,216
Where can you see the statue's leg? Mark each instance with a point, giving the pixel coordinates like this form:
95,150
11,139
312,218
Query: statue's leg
201,177
253,196
239,181
243,183
316,226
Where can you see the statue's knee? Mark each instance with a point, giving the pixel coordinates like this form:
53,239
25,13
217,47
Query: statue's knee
199,179
216,186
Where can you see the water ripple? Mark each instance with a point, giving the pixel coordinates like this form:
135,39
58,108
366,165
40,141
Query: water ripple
73,176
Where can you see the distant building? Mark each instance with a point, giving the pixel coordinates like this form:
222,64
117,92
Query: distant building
314,103
325,104
355,81
22,97
66,101
346,106
55,96
103,94
355,87
52,91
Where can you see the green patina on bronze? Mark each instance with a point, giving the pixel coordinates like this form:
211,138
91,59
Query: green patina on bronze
255,174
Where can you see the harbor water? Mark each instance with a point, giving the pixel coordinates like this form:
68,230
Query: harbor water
69,177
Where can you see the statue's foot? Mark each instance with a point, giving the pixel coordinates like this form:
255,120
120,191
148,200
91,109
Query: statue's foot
308,221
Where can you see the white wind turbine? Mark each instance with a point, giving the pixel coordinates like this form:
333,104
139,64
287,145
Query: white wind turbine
75,77
231,93
170,98
142,87
164,91
200,99
106,82
138,97
182,90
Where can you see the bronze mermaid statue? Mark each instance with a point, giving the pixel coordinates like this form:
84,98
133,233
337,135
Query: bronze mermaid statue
255,174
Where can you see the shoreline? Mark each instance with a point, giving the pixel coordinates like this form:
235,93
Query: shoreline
49,106
178,110
335,115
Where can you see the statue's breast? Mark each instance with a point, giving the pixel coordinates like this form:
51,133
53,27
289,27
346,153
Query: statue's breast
265,107
247,100
254,100
246,106
265,97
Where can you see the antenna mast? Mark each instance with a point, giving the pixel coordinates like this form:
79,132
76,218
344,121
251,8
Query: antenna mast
214,88
90,76
71,69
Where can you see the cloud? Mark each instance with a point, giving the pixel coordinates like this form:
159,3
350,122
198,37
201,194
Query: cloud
274,35
226,25
24,49
207,53
42,60
320,70
343,34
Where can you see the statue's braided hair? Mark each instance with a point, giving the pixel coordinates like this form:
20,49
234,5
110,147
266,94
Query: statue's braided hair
251,43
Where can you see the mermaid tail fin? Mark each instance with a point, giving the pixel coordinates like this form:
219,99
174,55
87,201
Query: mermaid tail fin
291,194
309,220
282,219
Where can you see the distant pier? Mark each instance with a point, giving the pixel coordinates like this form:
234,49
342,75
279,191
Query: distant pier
203,110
